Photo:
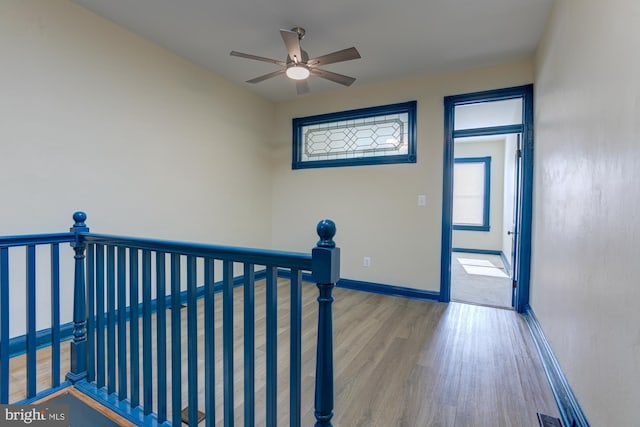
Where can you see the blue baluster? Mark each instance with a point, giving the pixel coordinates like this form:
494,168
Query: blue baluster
100,318
295,353
249,344
209,344
111,319
147,358
192,342
326,272
31,320
4,326
227,342
78,369
134,326
161,334
271,386
122,323
176,343
91,318
55,315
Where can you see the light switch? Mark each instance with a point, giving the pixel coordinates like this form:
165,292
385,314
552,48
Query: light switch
422,200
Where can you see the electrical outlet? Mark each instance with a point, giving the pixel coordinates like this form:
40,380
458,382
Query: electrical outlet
366,262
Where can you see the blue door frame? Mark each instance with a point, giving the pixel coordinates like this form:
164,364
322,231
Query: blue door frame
525,191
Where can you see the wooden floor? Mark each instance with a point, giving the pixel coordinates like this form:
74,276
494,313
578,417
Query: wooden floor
398,362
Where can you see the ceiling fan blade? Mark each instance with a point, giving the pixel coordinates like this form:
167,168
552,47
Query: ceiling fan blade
332,58
302,87
258,58
334,77
292,42
265,76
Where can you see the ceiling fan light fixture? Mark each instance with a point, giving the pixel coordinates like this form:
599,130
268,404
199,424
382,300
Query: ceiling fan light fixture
297,72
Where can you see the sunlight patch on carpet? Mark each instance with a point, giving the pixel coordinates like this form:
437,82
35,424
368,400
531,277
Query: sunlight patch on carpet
484,271
476,262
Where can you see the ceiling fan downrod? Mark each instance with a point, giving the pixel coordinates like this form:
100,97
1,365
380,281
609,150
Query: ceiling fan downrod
299,31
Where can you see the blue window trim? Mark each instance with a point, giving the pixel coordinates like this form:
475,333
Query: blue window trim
404,107
485,226
493,130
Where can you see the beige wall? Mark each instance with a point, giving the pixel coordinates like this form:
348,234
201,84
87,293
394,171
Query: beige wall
492,239
96,118
93,117
375,207
584,287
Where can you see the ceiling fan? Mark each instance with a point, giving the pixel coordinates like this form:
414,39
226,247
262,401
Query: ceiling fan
299,67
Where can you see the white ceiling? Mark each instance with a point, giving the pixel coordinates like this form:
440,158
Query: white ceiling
396,39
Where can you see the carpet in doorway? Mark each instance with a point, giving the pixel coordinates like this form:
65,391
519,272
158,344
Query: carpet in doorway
480,279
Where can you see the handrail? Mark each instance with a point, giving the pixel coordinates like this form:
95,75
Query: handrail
35,239
297,260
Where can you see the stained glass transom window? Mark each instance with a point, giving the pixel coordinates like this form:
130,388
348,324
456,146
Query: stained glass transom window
373,135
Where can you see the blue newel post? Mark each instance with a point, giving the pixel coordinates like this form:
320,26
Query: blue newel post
326,272
79,344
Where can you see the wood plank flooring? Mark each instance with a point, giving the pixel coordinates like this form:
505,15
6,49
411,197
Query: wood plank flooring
398,362
431,364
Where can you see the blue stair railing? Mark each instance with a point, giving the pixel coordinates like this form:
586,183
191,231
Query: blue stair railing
15,284
120,282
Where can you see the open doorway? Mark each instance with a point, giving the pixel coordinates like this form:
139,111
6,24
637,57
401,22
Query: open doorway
487,198
483,218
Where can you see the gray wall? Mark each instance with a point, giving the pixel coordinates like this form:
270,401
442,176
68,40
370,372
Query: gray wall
584,287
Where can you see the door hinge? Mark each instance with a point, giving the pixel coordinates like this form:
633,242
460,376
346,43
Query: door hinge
514,283
519,153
